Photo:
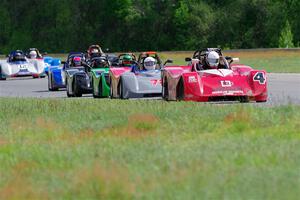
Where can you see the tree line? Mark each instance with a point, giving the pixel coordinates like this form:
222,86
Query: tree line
137,25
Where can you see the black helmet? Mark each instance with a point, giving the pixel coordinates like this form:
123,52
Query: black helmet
100,62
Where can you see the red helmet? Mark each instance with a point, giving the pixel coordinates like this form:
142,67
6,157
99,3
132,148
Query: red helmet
77,61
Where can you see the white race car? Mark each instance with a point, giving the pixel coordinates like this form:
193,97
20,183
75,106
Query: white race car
18,65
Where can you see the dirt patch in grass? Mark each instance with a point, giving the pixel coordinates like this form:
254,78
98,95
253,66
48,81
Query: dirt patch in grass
19,187
107,183
240,115
40,123
139,126
3,142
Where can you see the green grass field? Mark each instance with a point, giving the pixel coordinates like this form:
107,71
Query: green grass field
147,149
277,61
271,60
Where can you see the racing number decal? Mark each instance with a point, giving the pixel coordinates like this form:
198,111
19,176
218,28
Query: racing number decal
23,66
260,77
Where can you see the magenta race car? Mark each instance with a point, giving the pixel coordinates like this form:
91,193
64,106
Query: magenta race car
210,76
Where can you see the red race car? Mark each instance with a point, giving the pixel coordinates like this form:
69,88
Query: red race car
212,77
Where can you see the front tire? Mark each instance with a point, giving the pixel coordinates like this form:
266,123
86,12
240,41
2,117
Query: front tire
244,99
68,89
2,78
50,84
76,89
264,101
120,89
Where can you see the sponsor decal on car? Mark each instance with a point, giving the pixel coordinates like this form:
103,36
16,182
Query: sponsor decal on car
192,79
155,82
226,83
228,92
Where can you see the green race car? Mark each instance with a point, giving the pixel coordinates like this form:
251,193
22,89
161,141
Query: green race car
100,77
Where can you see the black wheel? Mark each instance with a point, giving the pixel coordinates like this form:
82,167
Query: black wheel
165,90
180,90
110,89
50,84
261,101
120,89
244,99
2,78
68,89
76,89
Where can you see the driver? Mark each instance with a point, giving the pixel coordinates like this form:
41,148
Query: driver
212,61
94,51
76,61
32,54
100,63
127,60
149,63
18,56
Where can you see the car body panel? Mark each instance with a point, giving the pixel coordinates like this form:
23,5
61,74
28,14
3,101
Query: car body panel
100,81
79,78
135,84
28,67
215,84
51,62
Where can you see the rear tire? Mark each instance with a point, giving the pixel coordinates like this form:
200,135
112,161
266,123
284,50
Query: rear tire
111,90
165,90
180,90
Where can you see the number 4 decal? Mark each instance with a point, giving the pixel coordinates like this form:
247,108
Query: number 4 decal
260,77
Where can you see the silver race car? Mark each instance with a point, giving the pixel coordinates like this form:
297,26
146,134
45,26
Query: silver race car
139,79
18,65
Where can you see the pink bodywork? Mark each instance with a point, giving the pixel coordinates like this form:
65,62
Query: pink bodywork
115,74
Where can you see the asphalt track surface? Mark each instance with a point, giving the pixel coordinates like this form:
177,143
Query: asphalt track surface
283,89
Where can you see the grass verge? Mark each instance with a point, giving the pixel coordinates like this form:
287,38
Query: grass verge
271,60
111,149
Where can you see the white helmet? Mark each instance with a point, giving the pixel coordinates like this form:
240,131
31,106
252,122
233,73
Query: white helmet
213,59
149,63
32,54
94,50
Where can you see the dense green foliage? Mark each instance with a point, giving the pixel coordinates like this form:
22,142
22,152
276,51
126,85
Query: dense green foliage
113,149
122,25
